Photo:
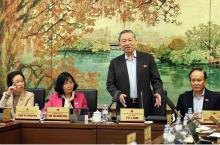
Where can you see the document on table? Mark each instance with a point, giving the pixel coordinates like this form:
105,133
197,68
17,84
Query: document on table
215,134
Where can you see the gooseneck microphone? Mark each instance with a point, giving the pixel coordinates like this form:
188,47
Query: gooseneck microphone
114,98
109,107
116,118
171,105
142,105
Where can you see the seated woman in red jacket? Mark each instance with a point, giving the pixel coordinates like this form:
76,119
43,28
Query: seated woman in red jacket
65,95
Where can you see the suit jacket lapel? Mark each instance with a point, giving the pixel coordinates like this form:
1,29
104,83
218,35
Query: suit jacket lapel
206,100
191,101
138,67
124,69
21,99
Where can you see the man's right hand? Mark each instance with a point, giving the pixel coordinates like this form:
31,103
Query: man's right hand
122,99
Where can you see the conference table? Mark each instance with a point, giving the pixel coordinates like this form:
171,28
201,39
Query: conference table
160,140
65,132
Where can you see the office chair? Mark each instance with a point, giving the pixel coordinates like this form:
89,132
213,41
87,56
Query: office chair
91,97
159,114
39,96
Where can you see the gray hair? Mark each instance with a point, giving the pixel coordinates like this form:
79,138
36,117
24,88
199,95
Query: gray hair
126,31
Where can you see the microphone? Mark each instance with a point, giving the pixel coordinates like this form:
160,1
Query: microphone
109,107
115,118
118,118
114,98
172,106
142,105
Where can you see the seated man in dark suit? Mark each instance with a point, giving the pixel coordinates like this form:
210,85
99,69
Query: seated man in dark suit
199,98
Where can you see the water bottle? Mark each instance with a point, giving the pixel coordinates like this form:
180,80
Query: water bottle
170,136
39,111
178,124
178,131
185,131
42,116
185,119
165,133
190,113
36,105
105,113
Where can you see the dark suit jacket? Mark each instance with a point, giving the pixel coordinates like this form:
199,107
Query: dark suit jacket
147,75
211,101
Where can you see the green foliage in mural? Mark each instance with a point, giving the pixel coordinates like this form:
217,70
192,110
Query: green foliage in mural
163,53
184,57
195,49
201,37
90,45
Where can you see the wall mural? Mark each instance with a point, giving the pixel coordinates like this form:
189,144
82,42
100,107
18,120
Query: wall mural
43,38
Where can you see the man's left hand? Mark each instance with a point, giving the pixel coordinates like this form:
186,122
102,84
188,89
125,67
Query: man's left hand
158,100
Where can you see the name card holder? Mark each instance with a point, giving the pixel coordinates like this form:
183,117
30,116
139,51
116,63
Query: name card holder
169,118
206,114
131,138
5,114
132,115
147,135
29,113
58,113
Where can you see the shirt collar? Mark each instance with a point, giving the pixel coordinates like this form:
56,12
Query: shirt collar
19,95
71,98
134,55
203,94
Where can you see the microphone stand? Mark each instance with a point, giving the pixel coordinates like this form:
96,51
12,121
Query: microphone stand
109,107
142,105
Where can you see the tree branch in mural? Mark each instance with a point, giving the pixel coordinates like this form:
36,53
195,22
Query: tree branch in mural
37,28
196,47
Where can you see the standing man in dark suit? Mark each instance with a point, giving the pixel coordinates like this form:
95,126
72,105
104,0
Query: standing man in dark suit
131,75
199,98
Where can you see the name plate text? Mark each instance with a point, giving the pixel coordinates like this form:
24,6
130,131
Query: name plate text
132,115
27,113
207,113
58,113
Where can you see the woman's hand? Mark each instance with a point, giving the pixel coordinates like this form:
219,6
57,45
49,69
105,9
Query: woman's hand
11,89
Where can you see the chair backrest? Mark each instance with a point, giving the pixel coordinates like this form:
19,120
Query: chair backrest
91,97
161,111
39,96
159,114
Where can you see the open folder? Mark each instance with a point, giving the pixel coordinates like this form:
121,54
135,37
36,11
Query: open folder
197,140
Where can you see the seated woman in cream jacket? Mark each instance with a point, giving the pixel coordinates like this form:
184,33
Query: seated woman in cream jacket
16,94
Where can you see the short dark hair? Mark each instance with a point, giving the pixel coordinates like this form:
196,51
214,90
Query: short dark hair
198,69
64,76
126,31
11,75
